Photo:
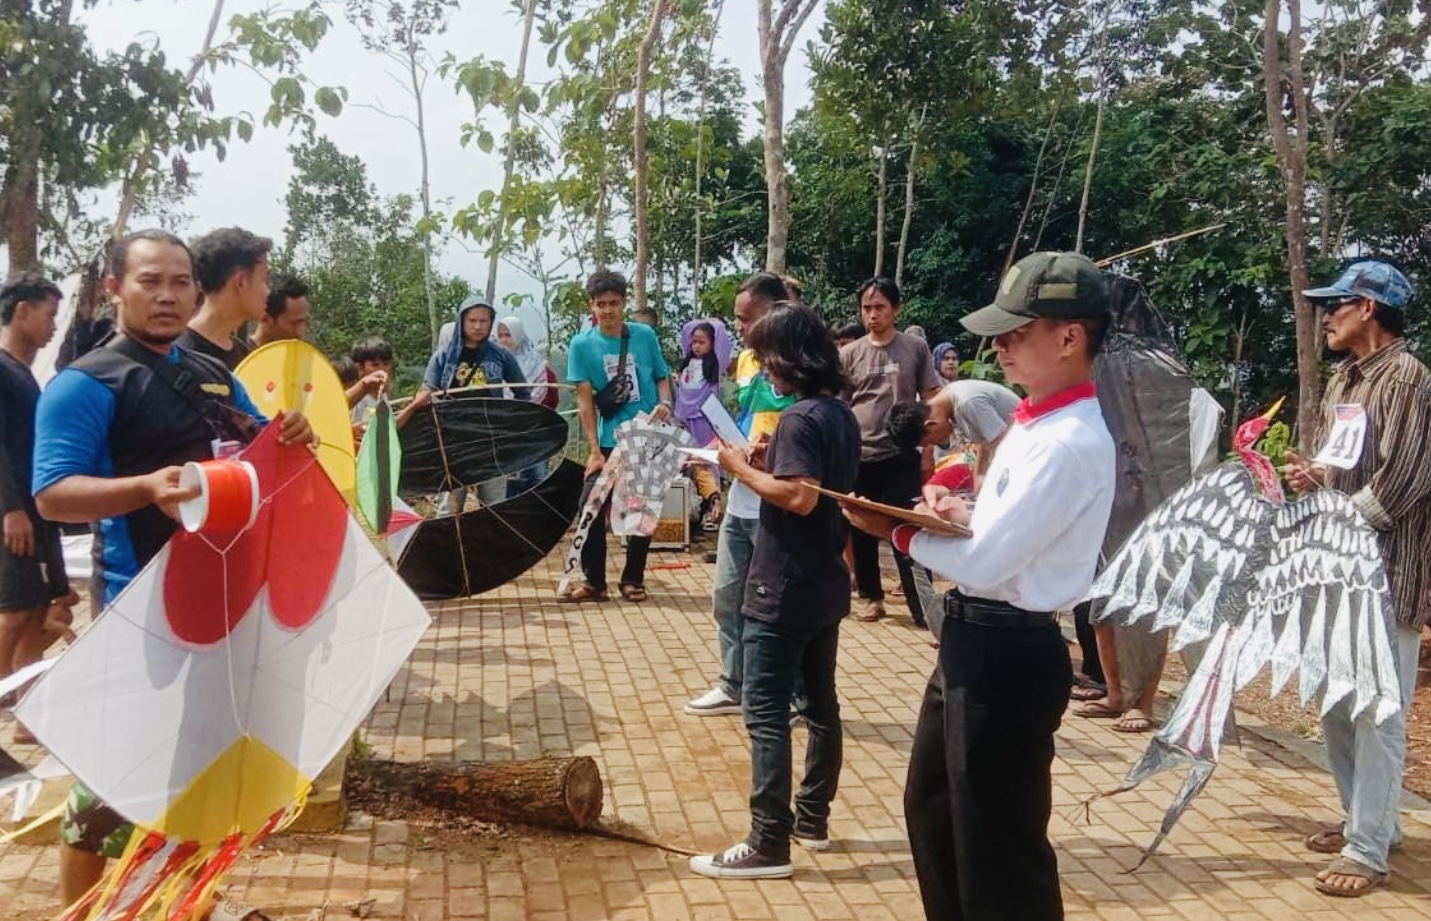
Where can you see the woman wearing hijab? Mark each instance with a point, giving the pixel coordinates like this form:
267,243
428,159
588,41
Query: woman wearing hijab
946,362
512,336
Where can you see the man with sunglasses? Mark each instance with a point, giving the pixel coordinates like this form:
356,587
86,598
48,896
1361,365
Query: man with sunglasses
1374,443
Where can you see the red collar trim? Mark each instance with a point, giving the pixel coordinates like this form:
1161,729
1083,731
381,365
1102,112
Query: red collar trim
1027,412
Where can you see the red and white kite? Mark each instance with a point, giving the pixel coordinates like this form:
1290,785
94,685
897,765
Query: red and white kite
205,700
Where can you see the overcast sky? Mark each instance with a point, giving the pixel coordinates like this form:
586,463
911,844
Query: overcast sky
248,188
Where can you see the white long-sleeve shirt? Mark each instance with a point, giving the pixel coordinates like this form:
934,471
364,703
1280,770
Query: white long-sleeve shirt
1041,513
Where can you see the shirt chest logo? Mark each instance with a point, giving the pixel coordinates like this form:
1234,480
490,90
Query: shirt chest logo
222,390
1003,482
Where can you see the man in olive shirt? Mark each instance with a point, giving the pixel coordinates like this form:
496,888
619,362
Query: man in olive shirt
884,367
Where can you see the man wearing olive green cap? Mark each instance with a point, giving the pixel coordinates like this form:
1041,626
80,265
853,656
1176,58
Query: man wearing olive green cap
980,790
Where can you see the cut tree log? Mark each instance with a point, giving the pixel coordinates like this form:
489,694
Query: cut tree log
563,793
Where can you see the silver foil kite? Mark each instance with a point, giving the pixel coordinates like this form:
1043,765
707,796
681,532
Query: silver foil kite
1228,563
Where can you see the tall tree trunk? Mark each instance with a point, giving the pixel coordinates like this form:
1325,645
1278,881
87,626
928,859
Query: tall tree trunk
1292,162
698,265
910,169
21,197
880,204
1092,159
433,319
602,217
146,162
642,162
514,113
777,37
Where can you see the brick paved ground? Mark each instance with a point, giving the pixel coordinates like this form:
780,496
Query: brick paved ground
514,675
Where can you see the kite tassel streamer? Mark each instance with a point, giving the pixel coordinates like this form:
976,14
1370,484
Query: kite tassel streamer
165,878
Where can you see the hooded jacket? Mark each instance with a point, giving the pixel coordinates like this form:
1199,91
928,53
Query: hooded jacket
498,365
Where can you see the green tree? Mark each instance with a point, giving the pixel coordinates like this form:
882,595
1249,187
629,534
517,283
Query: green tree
363,257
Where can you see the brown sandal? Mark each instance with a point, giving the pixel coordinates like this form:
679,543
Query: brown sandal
582,592
634,592
1329,840
1345,866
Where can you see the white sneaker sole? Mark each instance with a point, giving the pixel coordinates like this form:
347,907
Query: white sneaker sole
722,710
812,844
705,866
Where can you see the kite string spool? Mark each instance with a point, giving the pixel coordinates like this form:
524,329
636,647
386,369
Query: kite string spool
228,497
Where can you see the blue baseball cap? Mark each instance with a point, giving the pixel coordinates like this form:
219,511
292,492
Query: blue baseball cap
1371,278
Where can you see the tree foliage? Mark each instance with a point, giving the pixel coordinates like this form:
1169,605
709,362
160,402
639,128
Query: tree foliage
362,256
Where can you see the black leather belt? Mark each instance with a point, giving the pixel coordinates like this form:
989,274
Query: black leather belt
987,613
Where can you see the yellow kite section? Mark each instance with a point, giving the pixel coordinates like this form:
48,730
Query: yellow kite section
240,791
293,375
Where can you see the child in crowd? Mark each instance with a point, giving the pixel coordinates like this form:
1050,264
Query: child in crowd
706,349
845,333
373,359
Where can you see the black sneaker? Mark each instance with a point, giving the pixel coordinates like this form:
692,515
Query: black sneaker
741,861
810,836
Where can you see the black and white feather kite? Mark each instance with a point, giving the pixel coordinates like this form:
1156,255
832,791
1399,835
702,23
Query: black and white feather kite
1227,563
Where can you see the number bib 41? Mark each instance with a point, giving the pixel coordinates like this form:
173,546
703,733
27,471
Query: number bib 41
1346,439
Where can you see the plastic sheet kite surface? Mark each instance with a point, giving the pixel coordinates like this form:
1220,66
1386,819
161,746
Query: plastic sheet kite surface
462,555
1144,391
292,375
469,438
234,667
1299,585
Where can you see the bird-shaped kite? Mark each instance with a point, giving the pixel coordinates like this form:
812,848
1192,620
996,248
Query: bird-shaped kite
1228,563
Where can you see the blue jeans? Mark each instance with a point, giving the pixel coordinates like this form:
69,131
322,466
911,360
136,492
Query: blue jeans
776,658
734,547
525,480
1368,762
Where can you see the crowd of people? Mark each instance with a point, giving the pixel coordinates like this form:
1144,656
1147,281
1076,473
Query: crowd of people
865,409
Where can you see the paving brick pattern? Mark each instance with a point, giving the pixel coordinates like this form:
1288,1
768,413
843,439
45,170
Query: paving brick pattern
514,675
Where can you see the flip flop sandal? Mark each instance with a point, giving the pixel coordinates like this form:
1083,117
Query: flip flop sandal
634,593
1345,866
1329,840
1098,710
581,593
1087,692
1133,724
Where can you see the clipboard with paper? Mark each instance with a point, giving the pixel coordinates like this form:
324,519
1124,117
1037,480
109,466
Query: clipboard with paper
725,426
909,516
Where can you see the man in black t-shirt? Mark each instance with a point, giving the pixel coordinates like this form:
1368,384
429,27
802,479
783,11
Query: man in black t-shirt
32,565
796,594
231,267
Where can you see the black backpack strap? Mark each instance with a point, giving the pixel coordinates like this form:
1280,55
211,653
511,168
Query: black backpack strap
176,376
230,422
625,343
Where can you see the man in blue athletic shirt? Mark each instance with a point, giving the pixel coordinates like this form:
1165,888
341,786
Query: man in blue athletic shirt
111,434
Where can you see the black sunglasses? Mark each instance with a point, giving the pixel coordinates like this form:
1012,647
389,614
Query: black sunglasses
1336,304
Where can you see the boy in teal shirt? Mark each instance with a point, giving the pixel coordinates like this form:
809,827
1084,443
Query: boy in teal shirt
593,359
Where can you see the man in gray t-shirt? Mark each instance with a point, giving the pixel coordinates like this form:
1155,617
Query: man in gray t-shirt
883,368
974,412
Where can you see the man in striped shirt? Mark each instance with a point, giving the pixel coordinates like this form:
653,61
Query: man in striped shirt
1376,429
